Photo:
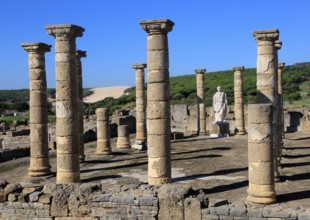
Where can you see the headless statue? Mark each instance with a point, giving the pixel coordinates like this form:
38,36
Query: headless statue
219,105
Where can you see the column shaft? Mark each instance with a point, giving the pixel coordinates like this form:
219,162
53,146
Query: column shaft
123,140
158,101
79,55
238,95
140,108
261,154
67,104
39,155
281,113
103,132
201,116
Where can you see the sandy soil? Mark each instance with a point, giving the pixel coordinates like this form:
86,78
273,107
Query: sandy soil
102,93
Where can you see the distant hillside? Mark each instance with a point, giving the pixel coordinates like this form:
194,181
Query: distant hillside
183,89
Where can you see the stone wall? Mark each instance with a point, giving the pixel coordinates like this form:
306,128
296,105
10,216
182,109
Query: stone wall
136,201
10,154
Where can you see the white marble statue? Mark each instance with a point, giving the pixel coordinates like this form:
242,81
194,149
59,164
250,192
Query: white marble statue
219,105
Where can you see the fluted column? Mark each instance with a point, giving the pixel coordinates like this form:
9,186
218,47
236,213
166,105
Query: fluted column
261,154
140,108
79,55
200,84
39,155
238,95
158,101
67,104
103,132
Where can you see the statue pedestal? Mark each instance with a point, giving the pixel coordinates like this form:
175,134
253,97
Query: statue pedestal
220,129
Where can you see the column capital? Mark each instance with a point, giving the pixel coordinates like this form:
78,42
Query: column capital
64,30
278,44
139,66
238,68
157,26
80,53
200,71
281,65
266,35
36,47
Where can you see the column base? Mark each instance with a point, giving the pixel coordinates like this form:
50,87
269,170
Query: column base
202,133
139,145
64,177
240,132
261,200
123,143
39,167
159,181
260,195
103,152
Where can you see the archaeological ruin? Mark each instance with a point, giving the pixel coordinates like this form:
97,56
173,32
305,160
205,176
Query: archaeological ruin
156,160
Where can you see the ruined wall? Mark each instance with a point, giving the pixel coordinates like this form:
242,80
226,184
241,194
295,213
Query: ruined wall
90,201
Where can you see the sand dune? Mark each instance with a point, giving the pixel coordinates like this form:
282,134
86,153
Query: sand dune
102,93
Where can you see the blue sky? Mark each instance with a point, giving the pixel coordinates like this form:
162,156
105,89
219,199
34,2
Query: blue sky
215,35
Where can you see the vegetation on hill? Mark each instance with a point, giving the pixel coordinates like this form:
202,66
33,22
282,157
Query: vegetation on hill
296,84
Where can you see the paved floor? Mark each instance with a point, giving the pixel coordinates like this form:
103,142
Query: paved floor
217,166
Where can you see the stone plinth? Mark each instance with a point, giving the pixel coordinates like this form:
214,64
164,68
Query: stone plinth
158,101
103,132
201,116
80,54
123,140
238,96
140,142
220,129
67,104
261,154
39,155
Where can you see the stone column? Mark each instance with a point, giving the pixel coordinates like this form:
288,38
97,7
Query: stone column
140,108
103,132
67,104
123,140
39,156
267,77
79,55
158,101
201,116
261,155
238,95
281,112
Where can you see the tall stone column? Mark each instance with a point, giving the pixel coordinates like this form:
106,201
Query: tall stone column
39,156
238,94
140,108
261,155
79,55
277,138
200,84
67,104
158,101
267,75
103,132
281,112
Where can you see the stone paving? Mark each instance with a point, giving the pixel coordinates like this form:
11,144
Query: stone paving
216,166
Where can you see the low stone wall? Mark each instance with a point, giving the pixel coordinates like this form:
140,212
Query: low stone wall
18,133
11,154
98,201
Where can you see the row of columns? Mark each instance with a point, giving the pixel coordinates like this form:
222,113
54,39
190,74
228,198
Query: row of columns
261,133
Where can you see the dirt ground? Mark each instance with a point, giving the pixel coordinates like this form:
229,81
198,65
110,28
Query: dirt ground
217,166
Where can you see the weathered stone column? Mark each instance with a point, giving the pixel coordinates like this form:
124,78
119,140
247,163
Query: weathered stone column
123,140
140,108
67,104
277,138
238,95
79,55
39,156
267,76
261,154
281,113
201,116
158,102
103,132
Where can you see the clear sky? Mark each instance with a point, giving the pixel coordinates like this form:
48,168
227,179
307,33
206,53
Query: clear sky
215,35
